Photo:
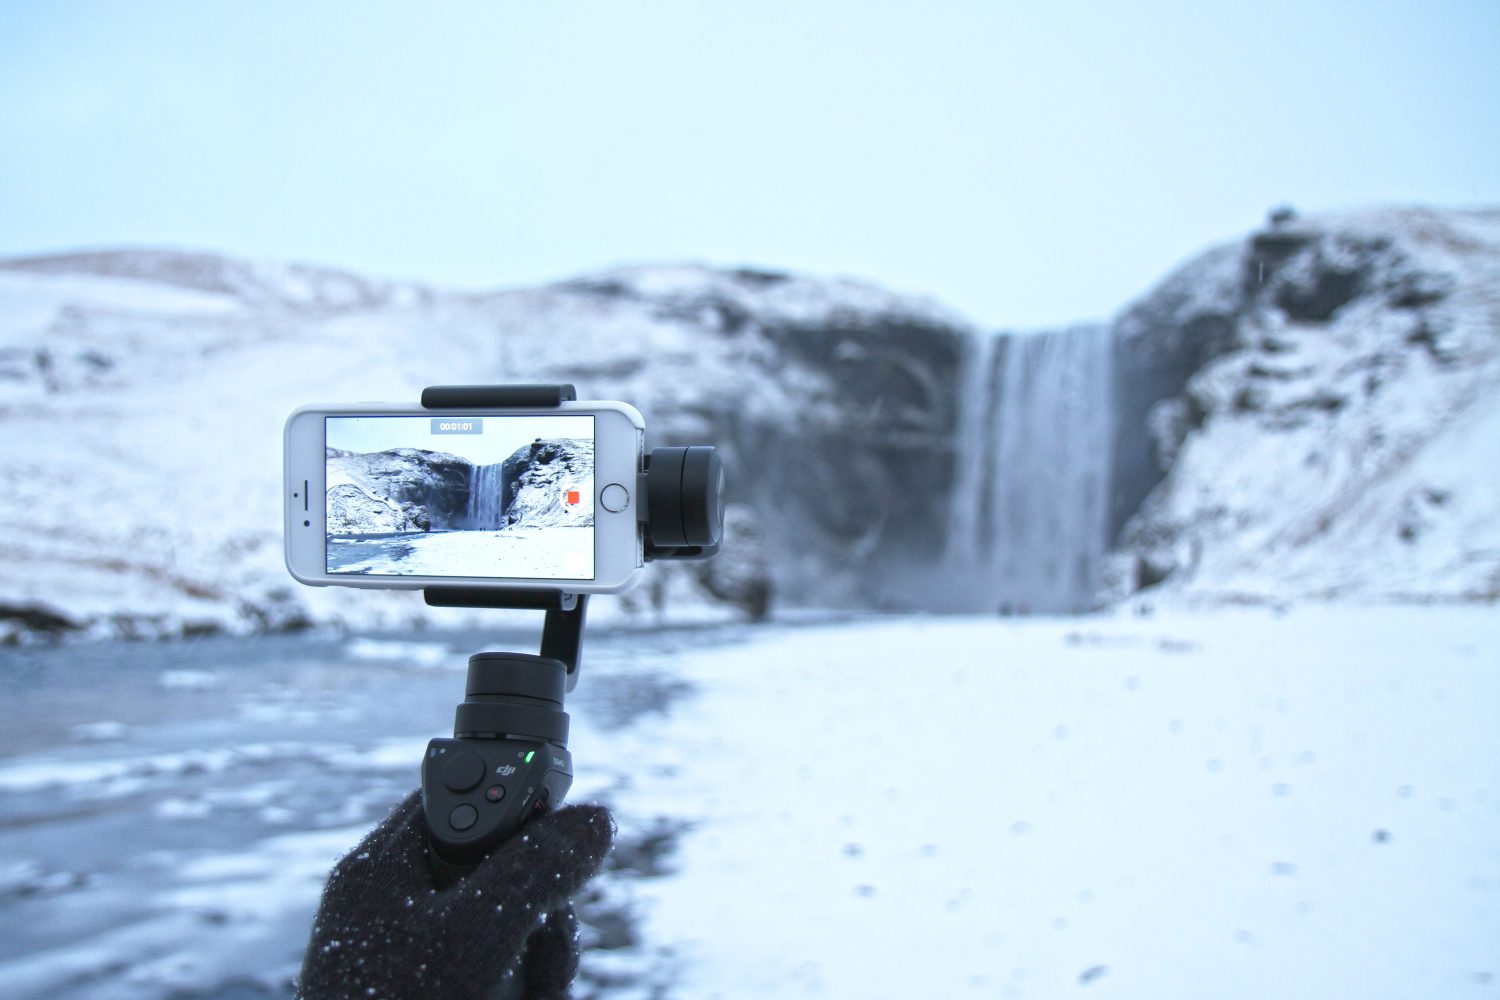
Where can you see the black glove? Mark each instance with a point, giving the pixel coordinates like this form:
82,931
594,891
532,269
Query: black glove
385,932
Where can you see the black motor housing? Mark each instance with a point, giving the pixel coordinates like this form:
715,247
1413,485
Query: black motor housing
684,502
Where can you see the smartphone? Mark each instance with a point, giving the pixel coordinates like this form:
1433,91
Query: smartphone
397,496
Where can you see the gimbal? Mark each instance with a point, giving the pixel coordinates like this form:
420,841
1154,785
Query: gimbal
508,758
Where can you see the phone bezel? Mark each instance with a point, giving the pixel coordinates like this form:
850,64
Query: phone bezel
619,440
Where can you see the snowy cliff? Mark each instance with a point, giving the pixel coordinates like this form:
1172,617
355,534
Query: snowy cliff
1323,401
356,511
429,489
1311,411
142,395
536,494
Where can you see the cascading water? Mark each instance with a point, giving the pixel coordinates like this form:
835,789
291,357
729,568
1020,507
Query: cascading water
486,497
1031,487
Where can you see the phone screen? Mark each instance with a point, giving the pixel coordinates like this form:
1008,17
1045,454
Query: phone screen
471,496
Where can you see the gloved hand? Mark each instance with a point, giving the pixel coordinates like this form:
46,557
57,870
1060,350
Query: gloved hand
385,932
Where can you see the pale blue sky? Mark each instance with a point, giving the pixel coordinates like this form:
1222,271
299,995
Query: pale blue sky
1025,164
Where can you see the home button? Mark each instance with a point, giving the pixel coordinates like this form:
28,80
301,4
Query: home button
614,498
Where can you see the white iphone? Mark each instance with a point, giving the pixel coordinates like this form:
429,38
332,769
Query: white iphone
397,496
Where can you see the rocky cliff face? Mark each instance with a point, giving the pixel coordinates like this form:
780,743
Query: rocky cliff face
430,488
1159,343
1323,403
355,511
537,480
413,489
833,402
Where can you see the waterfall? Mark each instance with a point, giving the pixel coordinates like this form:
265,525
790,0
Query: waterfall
1028,515
973,451
486,497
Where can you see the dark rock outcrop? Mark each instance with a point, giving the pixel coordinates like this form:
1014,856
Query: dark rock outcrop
741,573
834,404
1160,342
853,479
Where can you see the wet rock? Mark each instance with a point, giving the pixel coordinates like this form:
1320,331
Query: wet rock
1092,973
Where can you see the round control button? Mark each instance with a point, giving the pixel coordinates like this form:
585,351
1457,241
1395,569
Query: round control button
614,498
462,817
495,793
463,771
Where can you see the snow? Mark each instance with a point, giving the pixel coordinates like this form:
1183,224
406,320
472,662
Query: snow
427,654
998,809
192,680
1291,800
554,552
143,393
31,299
92,778
143,415
1251,803
1348,458
103,731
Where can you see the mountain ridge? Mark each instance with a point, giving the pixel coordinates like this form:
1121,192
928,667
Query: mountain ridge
847,415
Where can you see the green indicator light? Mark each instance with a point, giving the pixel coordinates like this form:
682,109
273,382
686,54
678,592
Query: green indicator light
530,754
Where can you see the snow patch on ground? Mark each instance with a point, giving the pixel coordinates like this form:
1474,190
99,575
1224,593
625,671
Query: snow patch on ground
529,553
1304,805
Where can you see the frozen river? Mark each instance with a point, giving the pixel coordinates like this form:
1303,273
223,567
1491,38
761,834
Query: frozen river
168,811
1241,804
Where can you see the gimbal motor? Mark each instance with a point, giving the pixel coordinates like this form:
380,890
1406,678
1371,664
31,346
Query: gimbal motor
684,509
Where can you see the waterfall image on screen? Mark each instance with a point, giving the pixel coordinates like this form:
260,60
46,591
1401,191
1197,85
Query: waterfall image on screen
465,496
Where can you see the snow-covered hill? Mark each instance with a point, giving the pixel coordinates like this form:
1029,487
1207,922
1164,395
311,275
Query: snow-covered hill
142,395
1334,426
1312,411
